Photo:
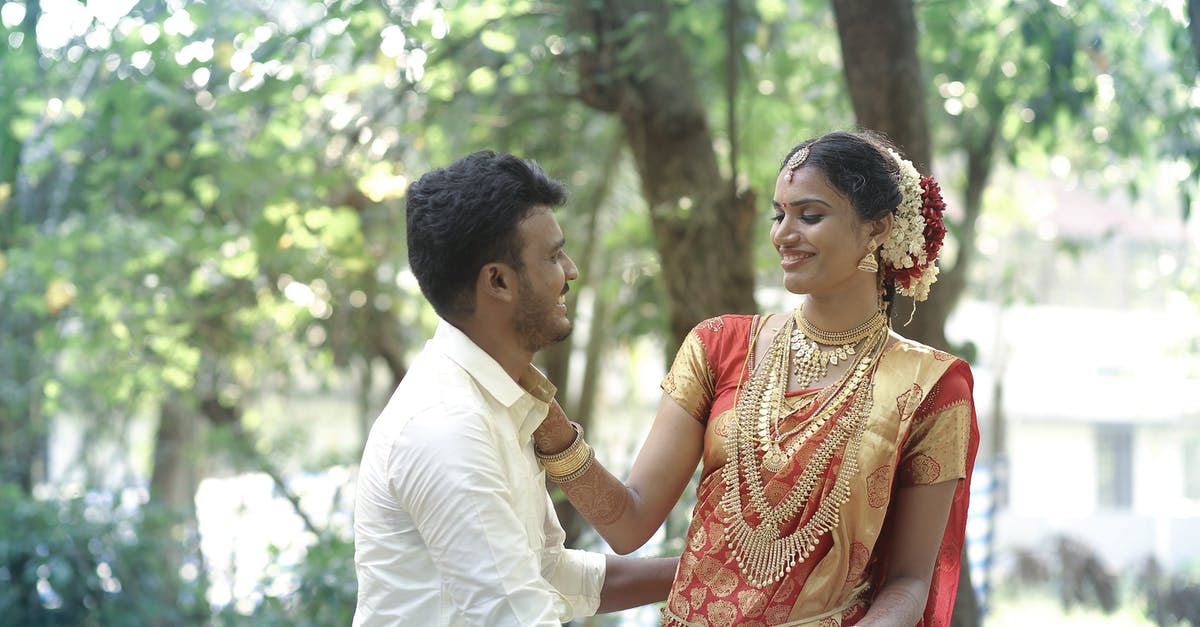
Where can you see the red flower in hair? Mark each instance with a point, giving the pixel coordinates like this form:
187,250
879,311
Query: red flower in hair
932,207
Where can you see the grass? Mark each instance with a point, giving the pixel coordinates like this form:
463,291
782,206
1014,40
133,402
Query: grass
1041,609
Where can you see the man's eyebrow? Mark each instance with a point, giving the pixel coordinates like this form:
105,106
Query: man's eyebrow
798,202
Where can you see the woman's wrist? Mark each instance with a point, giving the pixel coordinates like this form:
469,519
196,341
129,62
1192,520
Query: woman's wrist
572,462
555,434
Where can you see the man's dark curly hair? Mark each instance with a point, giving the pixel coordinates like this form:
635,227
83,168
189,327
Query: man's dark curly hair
465,216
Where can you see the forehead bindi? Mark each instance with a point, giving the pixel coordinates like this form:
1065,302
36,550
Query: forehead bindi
808,187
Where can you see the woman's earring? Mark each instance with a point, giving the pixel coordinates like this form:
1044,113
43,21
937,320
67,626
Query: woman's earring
868,262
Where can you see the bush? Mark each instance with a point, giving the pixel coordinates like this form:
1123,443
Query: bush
94,561
319,590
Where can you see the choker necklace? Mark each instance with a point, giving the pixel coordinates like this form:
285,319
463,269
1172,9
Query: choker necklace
809,362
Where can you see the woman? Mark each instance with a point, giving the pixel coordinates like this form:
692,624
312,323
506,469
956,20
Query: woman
836,454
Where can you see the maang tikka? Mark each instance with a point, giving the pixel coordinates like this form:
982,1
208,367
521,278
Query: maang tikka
795,161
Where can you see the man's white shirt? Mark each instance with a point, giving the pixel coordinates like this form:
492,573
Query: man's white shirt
453,525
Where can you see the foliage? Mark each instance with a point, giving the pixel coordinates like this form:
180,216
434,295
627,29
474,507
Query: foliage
1171,599
93,560
1051,89
200,204
320,589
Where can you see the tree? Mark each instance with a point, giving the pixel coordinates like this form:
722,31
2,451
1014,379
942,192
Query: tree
22,424
884,77
633,66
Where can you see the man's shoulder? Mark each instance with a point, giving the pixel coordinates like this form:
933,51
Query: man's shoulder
436,380
436,399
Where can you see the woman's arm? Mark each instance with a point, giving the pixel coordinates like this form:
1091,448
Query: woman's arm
635,581
627,514
921,513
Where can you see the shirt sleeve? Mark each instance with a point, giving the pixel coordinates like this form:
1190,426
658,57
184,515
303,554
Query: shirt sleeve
577,575
691,381
936,448
454,484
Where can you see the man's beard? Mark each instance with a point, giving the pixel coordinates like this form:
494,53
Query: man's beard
536,323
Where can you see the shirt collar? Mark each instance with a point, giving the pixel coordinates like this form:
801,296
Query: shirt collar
491,375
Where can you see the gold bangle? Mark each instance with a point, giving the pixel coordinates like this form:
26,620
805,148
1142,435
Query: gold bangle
578,472
570,463
578,457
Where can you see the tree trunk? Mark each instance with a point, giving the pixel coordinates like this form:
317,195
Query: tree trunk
1194,26
966,605
173,483
883,74
631,65
557,359
952,282
22,428
174,479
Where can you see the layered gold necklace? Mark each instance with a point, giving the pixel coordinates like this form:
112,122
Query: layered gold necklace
810,363
763,554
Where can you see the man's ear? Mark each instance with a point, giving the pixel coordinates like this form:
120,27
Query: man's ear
497,281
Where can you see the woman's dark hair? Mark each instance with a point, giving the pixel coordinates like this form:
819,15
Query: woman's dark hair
858,165
465,216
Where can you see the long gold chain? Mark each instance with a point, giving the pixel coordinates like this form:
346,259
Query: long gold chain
764,556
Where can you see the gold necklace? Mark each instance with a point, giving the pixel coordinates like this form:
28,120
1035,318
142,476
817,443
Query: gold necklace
775,455
810,363
762,554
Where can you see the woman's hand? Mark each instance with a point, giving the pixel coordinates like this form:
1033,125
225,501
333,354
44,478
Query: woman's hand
627,514
921,513
555,433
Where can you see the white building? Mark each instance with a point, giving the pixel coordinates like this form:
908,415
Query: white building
1100,434
1098,359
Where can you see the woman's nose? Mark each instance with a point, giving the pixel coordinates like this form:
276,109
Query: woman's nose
785,232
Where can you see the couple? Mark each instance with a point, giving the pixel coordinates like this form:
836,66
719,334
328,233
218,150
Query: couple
835,455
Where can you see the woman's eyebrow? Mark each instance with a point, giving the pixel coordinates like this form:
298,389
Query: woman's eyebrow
798,202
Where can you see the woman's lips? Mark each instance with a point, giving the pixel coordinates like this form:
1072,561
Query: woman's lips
792,259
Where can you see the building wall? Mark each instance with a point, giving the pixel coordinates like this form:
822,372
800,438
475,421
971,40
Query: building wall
1053,490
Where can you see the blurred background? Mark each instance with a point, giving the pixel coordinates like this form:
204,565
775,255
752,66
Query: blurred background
204,293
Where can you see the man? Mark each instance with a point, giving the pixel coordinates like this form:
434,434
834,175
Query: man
453,525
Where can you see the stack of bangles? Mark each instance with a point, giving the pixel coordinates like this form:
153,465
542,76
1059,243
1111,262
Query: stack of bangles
571,463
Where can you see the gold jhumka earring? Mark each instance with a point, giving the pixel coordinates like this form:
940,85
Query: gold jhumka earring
868,263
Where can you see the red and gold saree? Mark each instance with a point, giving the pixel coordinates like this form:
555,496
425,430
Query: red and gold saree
920,429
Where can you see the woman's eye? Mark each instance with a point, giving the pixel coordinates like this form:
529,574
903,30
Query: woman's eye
778,217
811,218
